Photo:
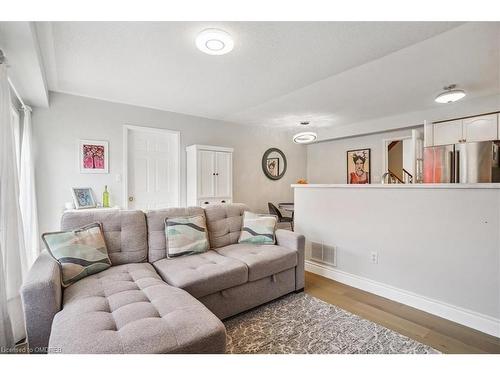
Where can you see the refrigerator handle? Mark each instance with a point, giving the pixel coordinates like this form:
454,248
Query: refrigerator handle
457,166
452,167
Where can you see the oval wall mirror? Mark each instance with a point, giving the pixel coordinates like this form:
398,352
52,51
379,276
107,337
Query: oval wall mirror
274,163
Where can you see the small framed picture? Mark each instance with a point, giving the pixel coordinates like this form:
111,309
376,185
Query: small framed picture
93,156
273,166
83,198
358,166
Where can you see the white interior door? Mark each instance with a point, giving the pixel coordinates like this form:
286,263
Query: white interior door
152,175
223,175
206,172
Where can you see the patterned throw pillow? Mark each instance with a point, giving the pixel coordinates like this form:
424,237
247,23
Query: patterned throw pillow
80,253
258,229
186,235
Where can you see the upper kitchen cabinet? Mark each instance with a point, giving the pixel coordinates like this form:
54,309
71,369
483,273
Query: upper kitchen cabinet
473,129
447,133
482,128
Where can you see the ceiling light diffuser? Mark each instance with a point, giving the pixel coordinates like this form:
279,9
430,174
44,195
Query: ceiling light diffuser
450,95
214,42
305,137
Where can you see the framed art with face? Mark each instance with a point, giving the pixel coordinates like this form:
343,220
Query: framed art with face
273,166
358,166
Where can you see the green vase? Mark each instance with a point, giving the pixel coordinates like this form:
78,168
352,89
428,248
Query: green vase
105,197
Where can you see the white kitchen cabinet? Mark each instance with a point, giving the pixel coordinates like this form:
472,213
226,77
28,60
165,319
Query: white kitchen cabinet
473,129
482,128
447,133
209,175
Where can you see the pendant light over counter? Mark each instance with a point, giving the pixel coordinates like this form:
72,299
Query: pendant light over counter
305,137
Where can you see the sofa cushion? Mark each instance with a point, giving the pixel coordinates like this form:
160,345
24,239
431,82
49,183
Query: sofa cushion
129,309
124,232
202,274
262,260
258,229
186,235
224,223
79,252
157,247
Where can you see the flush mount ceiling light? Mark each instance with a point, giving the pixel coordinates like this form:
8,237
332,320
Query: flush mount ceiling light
450,95
305,137
214,42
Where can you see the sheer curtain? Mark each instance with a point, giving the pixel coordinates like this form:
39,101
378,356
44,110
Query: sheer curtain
14,262
27,195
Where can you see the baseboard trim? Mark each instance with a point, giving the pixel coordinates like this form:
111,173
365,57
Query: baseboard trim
469,318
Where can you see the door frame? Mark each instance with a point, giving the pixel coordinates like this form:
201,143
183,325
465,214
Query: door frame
126,129
385,155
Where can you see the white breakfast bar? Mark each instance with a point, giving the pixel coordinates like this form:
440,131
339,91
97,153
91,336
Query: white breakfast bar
435,247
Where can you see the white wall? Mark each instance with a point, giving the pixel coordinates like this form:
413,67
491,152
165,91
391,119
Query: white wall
438,249
70,118
327,163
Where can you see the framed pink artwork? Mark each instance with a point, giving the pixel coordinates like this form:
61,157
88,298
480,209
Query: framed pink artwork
93,156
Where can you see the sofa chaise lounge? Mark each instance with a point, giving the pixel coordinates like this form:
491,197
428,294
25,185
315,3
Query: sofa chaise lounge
148,303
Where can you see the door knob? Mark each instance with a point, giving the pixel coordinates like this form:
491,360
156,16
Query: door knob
131,199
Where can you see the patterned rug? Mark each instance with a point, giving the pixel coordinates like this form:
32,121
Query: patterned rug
300,323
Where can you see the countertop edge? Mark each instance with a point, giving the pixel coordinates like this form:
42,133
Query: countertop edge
401,186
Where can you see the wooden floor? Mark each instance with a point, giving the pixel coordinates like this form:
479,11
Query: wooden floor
442,334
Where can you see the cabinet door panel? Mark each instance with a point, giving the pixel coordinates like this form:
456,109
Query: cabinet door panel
206,172
223,171
448,133
482,128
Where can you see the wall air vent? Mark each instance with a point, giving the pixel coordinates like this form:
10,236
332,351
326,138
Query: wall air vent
322,253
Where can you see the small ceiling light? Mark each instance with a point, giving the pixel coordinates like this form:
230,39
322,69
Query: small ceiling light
305,137
214,42
450,95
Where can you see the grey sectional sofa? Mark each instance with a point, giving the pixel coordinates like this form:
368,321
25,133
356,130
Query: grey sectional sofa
147,303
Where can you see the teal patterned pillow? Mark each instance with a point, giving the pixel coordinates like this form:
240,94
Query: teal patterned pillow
258,229
80,253
186,235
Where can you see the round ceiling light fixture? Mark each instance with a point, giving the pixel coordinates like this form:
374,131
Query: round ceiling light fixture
305,137
214,42
450,95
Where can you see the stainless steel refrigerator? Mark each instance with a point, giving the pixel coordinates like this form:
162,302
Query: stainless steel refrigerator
462,163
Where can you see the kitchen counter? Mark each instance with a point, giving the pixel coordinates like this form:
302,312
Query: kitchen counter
401,186
430,242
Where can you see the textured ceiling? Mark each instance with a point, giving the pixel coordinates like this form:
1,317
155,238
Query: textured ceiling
279,73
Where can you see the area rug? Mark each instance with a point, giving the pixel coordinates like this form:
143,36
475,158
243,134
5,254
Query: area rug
300,323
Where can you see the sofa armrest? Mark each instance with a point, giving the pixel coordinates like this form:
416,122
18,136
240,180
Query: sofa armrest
41,294
294,241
